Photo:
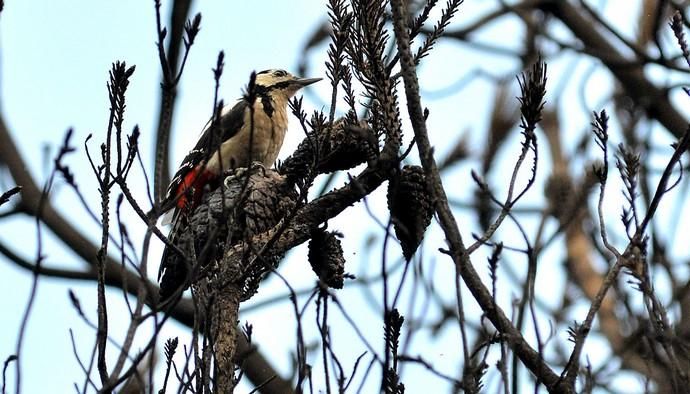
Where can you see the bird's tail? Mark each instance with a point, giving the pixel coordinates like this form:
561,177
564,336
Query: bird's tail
174,271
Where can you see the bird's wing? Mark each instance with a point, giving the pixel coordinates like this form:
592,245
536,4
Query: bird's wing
231,121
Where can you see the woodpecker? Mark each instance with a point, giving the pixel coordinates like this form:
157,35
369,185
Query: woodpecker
240,137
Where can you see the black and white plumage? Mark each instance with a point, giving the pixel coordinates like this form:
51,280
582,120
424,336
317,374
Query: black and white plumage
240,137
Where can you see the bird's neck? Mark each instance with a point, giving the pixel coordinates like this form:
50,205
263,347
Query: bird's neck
273,103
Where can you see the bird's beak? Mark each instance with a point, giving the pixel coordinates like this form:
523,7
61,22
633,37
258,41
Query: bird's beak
302,82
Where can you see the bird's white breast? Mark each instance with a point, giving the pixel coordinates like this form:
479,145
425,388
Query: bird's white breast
265,140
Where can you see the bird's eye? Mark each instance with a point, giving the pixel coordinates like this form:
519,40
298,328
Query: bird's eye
280,73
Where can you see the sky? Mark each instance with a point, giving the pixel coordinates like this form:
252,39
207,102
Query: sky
54,63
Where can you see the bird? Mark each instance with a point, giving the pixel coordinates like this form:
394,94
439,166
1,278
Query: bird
244,133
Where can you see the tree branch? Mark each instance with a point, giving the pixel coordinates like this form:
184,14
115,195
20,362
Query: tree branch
632,77
458,252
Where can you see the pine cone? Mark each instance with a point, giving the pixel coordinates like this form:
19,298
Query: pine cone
241,208
410,207
343,146
326,258
330,147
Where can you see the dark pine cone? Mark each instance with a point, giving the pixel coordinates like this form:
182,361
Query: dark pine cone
410,206
248,203
329,148
326,258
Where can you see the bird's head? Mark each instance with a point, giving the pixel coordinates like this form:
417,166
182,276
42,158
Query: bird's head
280,83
